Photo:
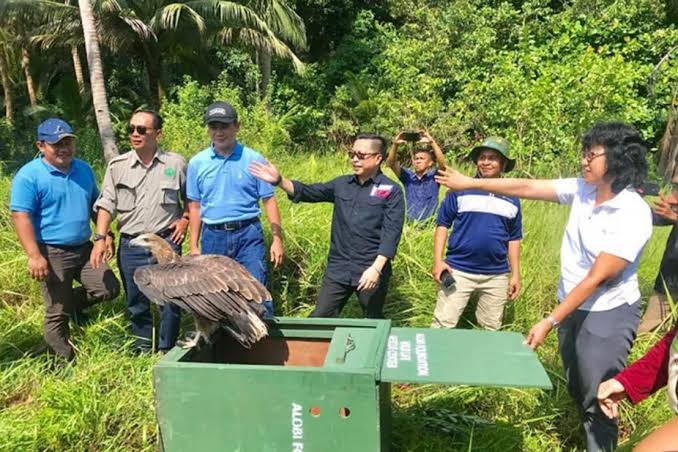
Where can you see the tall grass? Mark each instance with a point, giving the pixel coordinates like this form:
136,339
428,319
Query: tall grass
105,402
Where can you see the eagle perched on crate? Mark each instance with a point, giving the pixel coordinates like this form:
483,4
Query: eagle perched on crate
217,290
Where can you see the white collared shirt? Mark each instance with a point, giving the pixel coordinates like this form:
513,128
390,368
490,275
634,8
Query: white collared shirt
621,227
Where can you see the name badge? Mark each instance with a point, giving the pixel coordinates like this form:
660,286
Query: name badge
381,191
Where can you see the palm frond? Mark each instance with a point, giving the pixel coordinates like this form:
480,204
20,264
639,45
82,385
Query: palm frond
169,17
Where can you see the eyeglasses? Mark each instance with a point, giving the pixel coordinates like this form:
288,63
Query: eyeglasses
360,155
590,156
141,130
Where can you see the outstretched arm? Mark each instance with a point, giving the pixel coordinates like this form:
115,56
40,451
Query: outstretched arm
539,189
269,173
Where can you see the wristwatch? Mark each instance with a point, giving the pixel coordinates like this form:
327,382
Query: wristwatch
554,322
98,237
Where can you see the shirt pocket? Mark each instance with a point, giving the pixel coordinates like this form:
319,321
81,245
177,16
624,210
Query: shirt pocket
127,197
169,192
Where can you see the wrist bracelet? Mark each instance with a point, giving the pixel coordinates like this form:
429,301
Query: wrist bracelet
554,322
277,181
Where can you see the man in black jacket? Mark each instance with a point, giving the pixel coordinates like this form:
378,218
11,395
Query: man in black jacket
366,226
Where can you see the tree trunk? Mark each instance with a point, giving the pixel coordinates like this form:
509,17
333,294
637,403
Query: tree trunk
96,80
6,90
153,70
77,67
668,146
264,60
30,85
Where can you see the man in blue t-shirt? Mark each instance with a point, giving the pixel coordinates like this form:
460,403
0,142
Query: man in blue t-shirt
51,204
224,196
421,189
483,251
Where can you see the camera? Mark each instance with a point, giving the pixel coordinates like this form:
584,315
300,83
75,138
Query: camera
447,280
411,135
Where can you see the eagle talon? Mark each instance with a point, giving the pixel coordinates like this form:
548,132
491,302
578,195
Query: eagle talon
188,344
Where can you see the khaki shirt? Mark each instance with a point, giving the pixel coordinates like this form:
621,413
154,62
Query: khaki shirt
145,199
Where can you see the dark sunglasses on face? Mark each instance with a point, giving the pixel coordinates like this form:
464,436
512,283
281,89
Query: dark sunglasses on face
360,155
141,130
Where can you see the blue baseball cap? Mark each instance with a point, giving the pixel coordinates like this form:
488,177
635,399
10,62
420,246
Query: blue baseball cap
54,130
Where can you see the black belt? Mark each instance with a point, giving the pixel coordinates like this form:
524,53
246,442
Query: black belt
164,234
233,225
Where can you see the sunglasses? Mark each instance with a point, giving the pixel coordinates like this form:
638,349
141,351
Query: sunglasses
141,130
360,155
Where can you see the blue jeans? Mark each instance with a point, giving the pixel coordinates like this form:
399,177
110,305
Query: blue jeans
138,306
245,245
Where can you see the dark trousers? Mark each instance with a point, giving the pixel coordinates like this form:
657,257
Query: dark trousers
594,347
68,263
246,246
139,307
333,296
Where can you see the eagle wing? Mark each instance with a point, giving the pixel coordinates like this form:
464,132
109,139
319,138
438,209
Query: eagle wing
215,288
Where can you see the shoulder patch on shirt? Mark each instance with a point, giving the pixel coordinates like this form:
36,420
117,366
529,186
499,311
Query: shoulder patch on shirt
381,191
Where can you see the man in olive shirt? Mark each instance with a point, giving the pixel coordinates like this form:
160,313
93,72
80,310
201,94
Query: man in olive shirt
146,189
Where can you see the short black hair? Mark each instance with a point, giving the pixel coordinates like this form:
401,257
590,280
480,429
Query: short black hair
376,137
427,149
157,119
625,152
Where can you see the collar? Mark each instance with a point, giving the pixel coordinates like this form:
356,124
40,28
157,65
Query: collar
619,199
372,179
236,152
53,169
135,159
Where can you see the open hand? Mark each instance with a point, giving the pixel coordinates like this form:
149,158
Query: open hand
666,207
265,171
538,334
453,179
178,228
610,393
369,279
277,252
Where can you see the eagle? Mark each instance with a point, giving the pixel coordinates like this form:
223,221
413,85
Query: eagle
217,290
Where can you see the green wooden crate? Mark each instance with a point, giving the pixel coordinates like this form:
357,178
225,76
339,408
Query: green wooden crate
321,384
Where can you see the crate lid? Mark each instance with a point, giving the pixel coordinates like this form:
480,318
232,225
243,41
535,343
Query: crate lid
461,357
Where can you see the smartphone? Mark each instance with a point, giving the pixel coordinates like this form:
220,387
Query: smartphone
411,135
447,280
648,189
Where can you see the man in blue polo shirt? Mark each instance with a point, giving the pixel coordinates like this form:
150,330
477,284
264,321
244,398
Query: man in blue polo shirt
483,251
51,204
225,197
421,189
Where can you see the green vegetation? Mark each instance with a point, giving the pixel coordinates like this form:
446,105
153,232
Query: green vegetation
105,402
538,72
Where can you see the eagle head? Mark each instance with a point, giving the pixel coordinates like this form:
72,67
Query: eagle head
159,248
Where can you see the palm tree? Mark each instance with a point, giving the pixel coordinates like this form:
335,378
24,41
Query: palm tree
164,29
96,78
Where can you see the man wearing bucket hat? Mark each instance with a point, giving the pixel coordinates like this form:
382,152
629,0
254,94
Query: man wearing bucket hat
665,213
51,204
225,197
483,251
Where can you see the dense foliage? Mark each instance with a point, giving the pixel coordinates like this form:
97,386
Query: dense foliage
538,72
